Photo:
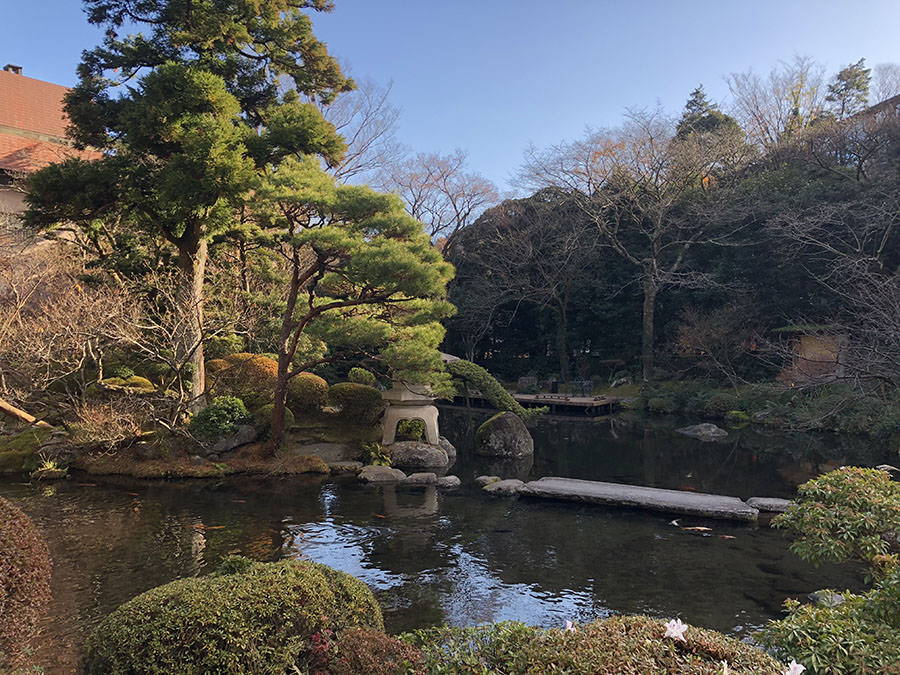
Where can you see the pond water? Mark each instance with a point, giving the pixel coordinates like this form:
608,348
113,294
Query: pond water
461,557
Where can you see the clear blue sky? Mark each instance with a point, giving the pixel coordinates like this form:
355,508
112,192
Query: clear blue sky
491,76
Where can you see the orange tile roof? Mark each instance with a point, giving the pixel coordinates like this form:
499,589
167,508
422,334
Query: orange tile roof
33,124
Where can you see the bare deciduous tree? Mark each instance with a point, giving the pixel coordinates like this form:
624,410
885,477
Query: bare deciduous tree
535,250
52,324
640,185
439,192
367,120
850,248
885,82
786,101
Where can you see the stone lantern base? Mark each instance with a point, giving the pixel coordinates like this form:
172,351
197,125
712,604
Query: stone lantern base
426,413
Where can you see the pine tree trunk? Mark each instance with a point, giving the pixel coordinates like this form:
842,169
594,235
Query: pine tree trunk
647,335
286,349
189,299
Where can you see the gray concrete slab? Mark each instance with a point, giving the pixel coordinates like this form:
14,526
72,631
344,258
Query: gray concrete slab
654,499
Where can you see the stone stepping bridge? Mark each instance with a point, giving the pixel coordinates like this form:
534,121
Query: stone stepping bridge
654,499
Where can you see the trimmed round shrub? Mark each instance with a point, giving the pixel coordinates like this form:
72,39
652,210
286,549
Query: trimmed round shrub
307,392
114,382
853,637
662,405
239,357
250,377
213,366
361,376
362,404
249,618
220,418
620,644
262,418
24,583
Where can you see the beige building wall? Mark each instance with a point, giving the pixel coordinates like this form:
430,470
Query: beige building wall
11,201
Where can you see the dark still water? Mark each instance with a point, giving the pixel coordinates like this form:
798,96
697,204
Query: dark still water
460,558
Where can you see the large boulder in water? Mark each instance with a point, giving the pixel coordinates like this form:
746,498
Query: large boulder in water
504,435
703,432
417,455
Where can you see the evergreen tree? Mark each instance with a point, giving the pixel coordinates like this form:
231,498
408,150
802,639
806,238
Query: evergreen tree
848,92
702,116
187,117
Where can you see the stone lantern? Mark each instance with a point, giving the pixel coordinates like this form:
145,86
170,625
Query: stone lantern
410,402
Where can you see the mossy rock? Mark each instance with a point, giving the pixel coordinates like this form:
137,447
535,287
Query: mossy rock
138,382
19,452
249,618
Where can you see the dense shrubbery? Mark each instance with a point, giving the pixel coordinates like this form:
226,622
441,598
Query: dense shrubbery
361,404
247,618
220,418
361,376
830,407
854,638
307,392
475,376
121,371
847,514
24,582
621,644
250,377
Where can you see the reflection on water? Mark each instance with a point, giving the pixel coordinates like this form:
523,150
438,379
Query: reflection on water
462,557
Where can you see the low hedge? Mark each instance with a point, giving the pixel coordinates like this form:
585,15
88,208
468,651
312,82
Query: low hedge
24,583
625,645
247,618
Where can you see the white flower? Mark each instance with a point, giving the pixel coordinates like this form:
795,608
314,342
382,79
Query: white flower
794,669
570,626
725,669
675,630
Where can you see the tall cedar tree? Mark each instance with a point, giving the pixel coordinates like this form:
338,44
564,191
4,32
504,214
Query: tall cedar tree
188,116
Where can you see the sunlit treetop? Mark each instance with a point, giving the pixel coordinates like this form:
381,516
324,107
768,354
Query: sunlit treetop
258,47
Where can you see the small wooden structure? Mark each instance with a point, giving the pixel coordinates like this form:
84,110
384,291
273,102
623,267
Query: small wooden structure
559,404
409,402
